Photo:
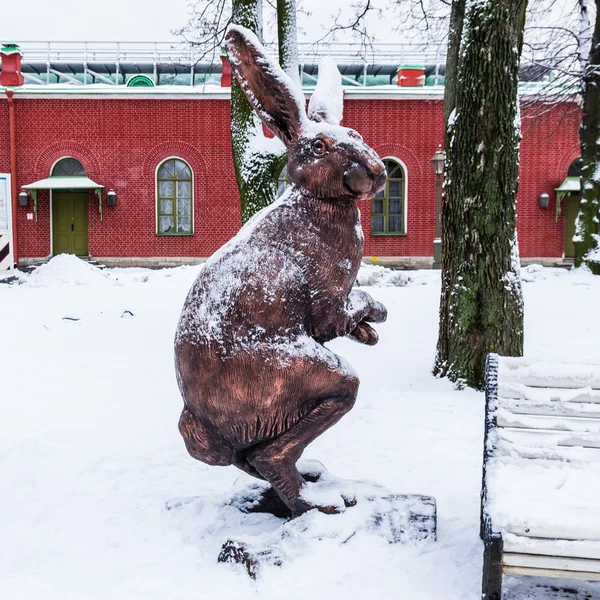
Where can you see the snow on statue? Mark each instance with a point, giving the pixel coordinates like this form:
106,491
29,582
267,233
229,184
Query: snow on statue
257,382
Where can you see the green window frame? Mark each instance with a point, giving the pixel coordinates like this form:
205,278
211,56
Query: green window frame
68,167
388,207
175,198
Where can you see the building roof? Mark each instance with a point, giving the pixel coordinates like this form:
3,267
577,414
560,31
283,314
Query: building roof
178,70
570,184
63,183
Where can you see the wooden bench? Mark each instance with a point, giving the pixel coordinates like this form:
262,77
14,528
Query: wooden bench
540,498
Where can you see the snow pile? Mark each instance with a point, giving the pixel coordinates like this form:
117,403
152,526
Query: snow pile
536,272
67,270
378,276
7,275
378,518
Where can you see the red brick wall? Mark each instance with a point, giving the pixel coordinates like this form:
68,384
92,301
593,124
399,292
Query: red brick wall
4,139
550,143
121,141
409,130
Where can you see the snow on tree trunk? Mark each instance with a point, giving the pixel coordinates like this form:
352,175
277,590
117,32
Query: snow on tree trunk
584,39
481,307
587,239
457,17
257,160
287,34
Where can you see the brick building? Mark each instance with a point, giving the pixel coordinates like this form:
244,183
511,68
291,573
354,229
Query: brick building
151,179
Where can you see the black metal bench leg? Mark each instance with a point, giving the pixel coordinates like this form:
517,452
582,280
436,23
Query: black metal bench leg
491,585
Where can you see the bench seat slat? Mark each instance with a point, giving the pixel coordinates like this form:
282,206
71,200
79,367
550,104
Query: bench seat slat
549,532
535,395
562,454
551,409
508,419
553,374
521,544
546,438
562,563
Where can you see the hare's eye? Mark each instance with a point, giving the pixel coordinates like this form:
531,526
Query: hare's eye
319,147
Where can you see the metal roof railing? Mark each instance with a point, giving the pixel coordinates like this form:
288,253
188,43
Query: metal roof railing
97,51
113,63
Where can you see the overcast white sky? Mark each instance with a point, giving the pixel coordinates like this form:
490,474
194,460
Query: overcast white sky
154,20
106,20
124,20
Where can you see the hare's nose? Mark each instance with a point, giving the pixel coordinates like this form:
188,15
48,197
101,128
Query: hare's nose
358,180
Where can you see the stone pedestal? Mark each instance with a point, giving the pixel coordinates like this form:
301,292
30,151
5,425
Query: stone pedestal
349,506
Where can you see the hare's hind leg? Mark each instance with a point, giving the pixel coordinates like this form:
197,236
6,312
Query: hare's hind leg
276,459
241,462
202,443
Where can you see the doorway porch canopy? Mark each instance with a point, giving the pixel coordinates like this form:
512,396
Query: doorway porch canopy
571,185
71,182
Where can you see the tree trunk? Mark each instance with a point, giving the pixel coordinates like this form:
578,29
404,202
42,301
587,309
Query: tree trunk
257,160
287,34
587,240
481,307
457,17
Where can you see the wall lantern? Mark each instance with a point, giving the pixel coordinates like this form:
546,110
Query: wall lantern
437,161
23,199
544,200
437,164
111,198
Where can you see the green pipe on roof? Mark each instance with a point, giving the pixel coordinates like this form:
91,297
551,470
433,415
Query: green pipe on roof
140,81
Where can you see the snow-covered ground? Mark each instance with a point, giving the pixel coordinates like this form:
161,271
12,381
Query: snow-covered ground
90,455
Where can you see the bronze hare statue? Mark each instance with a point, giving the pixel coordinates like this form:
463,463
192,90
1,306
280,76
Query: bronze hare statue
257,382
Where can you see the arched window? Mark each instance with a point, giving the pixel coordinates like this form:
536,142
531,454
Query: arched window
389,205
68,167
175,200
575,168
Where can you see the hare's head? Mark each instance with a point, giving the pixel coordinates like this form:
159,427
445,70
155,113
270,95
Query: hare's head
330,161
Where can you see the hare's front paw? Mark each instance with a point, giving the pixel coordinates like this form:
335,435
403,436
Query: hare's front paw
377,312
363,333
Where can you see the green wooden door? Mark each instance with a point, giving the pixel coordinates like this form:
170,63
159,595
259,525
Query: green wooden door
571,211
70,223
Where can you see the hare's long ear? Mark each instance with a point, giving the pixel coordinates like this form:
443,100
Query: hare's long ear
327,102
269,90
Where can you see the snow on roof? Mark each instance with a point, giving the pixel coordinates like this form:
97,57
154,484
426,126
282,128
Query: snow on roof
63,183
208,92
216,92
570,184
